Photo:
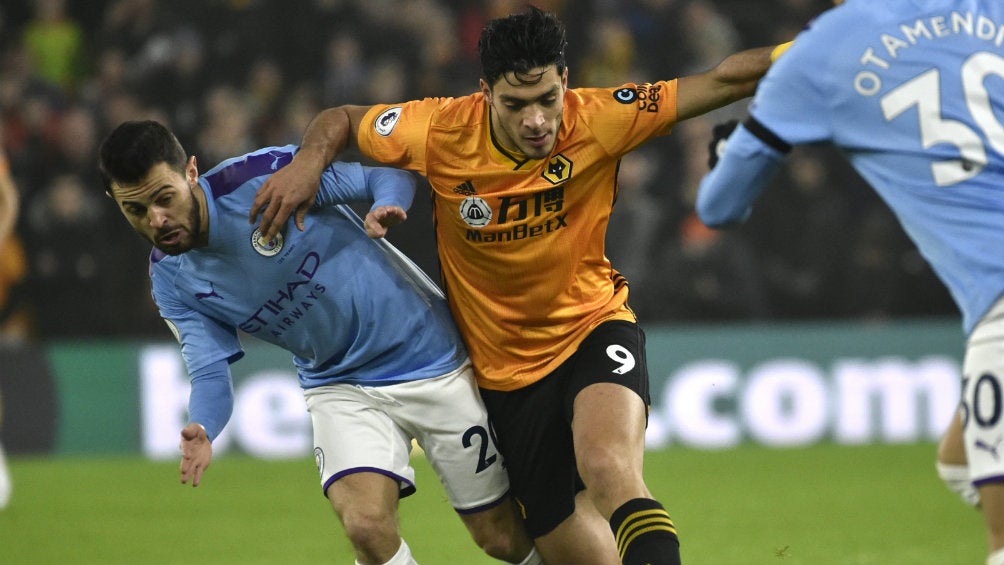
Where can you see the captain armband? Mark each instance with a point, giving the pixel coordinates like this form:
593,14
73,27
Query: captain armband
761,132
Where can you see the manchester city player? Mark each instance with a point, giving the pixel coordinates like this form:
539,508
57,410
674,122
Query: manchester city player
912,92
375,348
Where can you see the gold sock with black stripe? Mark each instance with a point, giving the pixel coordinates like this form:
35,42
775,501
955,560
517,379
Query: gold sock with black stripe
645,533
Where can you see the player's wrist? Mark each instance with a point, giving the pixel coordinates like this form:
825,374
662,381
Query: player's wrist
313,156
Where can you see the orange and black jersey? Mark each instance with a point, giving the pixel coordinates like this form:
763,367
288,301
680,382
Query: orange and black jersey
521,241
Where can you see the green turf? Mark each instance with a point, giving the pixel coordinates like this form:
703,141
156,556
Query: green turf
823,505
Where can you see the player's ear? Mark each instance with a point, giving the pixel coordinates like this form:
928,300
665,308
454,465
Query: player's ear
486,90
192,170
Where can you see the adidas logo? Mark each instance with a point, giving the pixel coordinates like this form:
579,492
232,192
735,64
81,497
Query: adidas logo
466,188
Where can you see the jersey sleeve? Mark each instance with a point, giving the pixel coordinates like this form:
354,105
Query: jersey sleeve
345,183
203,339
391,187
409,122
792,100
727,193
624,117
342,183
211,400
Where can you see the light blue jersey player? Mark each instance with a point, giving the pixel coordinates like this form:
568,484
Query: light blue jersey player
912,92
351,309
377,354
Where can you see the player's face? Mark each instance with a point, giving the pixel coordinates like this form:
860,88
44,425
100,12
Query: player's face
163,208
527,115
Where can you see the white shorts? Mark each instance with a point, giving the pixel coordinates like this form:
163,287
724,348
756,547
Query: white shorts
370,429
982,404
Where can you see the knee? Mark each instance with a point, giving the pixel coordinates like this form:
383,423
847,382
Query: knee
370,530
500,534
605,469
502,545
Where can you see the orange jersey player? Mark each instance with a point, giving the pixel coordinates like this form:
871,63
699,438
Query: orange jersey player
522,239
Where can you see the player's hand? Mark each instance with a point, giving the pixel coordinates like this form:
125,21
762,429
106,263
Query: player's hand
291,189
196,452
719,136
382,217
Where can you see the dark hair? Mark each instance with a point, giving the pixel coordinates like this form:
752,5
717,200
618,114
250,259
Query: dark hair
129,152
519,43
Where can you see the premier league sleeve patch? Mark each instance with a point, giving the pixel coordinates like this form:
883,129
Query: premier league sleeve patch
385,122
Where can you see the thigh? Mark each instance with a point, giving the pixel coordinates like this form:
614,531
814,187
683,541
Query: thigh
354,433
609,398
447,417
614,352
609,395
536,441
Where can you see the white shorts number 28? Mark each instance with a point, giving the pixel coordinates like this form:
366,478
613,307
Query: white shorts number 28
370,429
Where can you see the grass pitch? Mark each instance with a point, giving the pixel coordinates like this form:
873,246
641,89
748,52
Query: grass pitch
824,505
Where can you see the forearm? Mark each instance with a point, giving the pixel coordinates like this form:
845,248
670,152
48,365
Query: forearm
211,401
734,79
327,135
743,70
293,189
391,187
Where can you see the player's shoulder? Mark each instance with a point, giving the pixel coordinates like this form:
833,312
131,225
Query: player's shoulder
232,173
836,22
463,111
422,114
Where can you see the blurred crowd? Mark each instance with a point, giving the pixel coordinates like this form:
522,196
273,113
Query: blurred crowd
229,76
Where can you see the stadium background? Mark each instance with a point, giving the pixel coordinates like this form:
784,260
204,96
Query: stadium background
815,326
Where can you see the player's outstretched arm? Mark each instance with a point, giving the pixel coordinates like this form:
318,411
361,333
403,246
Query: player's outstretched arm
196,453
293,188
733,79
210,405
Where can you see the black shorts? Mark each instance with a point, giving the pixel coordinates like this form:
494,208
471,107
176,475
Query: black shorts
533,424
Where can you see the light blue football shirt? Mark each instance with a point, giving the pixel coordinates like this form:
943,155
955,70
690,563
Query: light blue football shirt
912,92
349,308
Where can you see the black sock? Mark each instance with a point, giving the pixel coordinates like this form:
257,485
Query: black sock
645,534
